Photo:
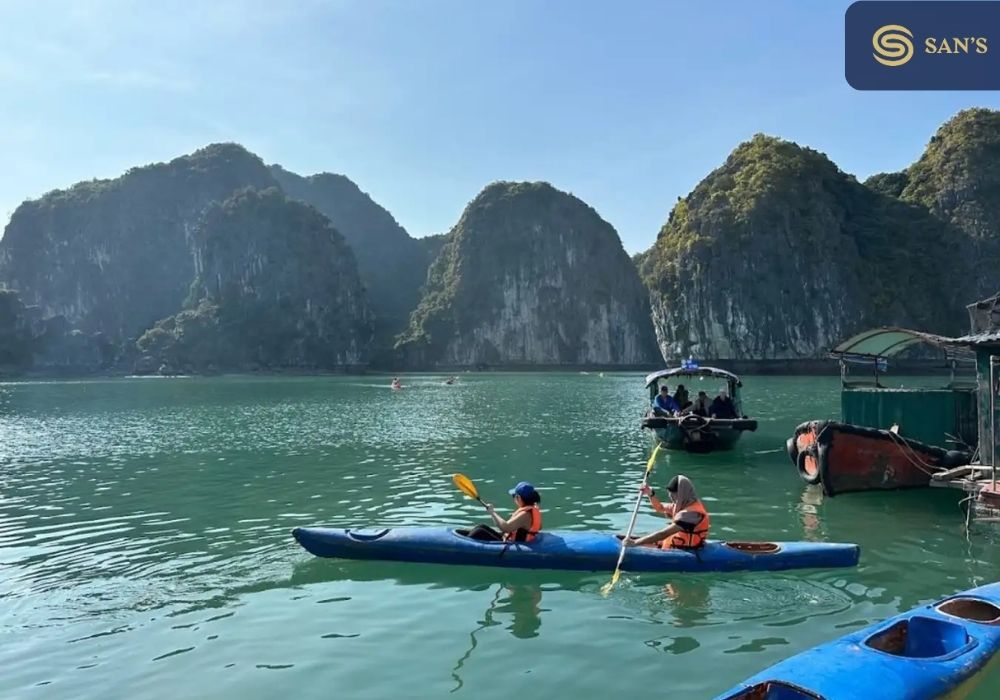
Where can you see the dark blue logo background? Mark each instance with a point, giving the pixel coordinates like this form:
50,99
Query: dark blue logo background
924,45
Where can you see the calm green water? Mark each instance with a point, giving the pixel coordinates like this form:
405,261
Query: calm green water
145,548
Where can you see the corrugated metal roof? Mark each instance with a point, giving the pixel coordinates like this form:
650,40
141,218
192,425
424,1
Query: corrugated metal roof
889,341
988,338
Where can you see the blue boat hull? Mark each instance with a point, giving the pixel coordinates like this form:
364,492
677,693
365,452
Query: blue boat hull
929,652
576,551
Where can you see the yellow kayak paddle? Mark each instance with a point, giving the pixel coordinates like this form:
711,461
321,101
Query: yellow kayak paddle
466,486
631,525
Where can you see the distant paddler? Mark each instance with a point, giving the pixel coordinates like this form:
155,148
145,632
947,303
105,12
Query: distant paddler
450,380
396,385
689,521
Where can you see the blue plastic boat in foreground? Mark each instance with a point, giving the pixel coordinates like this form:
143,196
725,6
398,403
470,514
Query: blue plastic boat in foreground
928,652
578,551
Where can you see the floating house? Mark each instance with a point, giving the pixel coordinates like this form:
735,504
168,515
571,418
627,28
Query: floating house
984,341
980,478
894,437
945,415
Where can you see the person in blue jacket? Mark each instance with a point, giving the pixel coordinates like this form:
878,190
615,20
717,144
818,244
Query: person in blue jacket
664,404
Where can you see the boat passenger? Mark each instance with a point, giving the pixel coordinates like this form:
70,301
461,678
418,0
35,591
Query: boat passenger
722,406
681,397
701,405
689,521
664,404
523,524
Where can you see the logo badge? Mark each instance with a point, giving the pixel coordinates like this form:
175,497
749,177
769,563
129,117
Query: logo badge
893,45
922,45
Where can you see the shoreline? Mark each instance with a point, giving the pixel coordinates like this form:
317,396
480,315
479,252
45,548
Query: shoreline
795,367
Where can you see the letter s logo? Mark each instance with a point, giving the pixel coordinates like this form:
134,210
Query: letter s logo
892,44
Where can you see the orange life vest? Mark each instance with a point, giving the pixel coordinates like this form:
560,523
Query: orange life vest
522,535
693,539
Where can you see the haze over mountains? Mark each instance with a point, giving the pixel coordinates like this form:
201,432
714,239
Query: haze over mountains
216,261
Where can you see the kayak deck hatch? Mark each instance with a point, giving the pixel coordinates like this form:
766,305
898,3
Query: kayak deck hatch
971,609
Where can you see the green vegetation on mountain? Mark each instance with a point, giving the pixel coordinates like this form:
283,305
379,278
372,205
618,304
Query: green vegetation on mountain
432,246
276,287
889,184
392,264
779,254
775,254
530,275
113,256
958,180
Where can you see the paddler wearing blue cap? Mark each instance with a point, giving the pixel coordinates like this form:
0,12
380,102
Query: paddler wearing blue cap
523,524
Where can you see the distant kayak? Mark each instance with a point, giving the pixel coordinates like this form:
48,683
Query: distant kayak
576,551
396,387
928,652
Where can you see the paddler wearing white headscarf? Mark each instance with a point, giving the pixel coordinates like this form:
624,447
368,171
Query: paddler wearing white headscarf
689,521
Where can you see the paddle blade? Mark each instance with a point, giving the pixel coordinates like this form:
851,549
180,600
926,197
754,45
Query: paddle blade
652,457
606,588
465,485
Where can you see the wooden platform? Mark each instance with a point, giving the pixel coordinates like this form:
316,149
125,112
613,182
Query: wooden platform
970,478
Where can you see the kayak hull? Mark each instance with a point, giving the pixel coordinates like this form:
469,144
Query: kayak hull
929,652
574,551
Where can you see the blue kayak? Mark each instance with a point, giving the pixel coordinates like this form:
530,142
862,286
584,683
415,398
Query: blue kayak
577,551
925,653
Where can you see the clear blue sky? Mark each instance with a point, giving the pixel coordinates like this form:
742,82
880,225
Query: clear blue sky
422,103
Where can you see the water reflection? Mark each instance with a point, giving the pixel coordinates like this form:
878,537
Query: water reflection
522,602
524,605
810,500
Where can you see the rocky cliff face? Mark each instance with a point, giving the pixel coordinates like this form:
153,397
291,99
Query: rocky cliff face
16,335
393,265
778,254
958,180
531,275
276,286
31,341
113,256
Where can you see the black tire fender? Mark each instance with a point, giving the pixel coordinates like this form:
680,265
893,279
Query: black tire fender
792,448
800,464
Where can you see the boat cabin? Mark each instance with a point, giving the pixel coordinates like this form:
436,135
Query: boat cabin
937,415
689,373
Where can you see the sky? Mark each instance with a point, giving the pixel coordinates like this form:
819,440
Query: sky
422,103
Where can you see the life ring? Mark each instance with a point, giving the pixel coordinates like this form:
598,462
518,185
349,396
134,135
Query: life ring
807,462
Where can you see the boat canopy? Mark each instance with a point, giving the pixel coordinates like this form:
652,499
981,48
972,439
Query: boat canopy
693,372
886,342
